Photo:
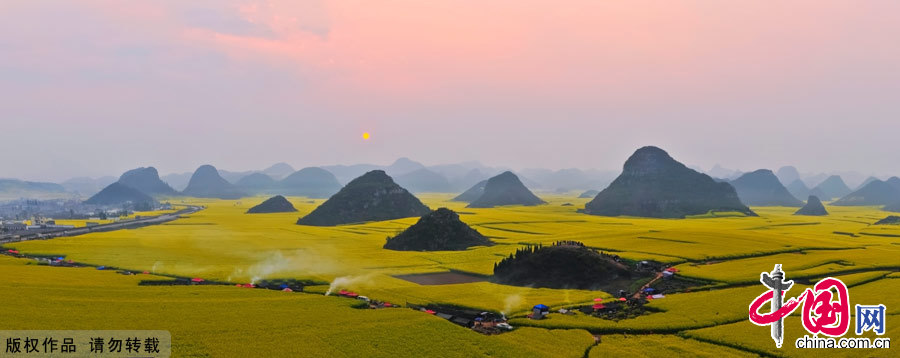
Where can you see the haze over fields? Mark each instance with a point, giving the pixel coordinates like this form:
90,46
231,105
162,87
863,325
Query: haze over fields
521,84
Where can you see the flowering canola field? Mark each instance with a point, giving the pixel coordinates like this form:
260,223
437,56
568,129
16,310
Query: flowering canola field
224,244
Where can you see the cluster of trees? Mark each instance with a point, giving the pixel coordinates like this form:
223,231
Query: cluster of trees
563,265
520,254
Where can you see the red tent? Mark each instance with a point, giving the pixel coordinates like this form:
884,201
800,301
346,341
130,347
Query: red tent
196,279
13,251
146,272
388,304
672,269
599,306
623,299
430,312
287,289
248,285
598,299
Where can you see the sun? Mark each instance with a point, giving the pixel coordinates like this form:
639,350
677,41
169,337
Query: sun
366,135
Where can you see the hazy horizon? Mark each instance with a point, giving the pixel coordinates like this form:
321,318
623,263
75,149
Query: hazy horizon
853,181
93,89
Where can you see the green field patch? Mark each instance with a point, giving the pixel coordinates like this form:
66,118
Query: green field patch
511,230
781,225
879,235
662,239
859,221
442,278
381,230
353,231
531,222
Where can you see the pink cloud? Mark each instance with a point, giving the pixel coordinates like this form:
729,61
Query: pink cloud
568,52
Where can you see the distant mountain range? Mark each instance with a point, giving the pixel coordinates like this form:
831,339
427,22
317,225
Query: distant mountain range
147,181
788,174
458,177
832,187
425,181
418,178
798,189
762,188
719,172
346,173
875,193
117,193
86,186
311,182
277,171
137,186
177,181
15,189
208,183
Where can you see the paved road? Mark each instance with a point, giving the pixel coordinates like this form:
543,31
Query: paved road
119,225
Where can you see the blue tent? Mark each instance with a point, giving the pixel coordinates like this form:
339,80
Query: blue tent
649,290
101,267
542,307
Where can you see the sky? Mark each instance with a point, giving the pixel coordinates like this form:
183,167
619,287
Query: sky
92,88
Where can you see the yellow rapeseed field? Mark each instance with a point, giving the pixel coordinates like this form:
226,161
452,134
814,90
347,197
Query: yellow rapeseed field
223,243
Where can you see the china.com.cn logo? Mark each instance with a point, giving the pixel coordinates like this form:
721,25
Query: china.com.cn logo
826,308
